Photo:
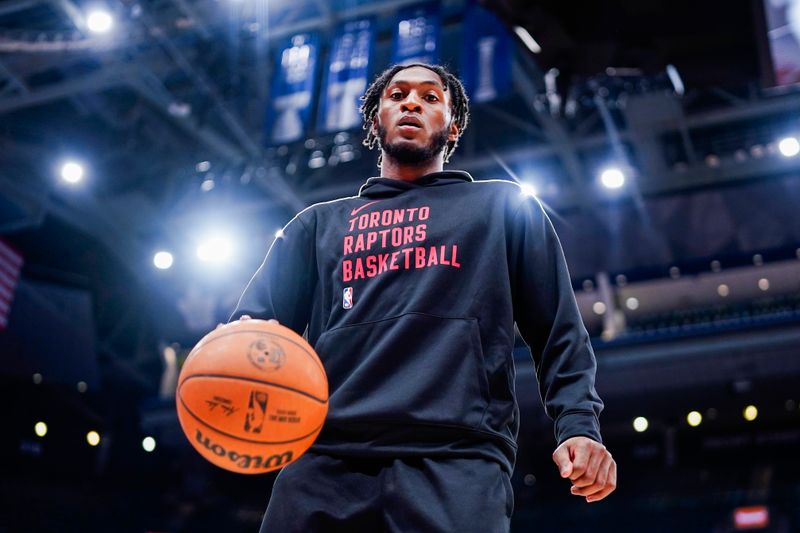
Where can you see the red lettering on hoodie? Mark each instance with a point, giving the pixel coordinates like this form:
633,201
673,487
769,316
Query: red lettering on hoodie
392,238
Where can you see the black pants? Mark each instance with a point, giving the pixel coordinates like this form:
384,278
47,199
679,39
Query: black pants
319,493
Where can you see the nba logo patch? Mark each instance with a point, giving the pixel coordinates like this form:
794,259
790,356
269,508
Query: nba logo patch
347,297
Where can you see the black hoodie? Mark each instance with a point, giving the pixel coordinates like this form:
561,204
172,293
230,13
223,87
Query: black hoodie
410,292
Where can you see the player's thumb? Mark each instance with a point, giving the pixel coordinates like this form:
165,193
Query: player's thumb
562,460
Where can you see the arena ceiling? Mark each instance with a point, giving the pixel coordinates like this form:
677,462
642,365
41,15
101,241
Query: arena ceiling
175,98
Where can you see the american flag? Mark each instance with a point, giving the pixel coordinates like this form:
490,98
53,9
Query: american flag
10,265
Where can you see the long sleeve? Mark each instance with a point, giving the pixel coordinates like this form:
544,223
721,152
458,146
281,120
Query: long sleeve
282,288
547,316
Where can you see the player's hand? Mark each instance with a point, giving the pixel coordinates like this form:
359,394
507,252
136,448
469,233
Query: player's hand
248,317
590,467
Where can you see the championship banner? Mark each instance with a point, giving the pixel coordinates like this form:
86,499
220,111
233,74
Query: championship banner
416,35
346,78
289,108
486,56
783,36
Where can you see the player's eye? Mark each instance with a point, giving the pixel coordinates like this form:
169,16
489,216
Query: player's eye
396,95
432,98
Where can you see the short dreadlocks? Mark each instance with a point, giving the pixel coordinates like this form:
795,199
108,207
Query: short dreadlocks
459,104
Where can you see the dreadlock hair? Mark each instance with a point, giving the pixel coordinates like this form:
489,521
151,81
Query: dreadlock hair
459,104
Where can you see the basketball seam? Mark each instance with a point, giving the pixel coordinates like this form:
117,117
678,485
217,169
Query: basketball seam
243,378
240,439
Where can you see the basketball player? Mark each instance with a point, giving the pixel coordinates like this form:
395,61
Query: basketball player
409,293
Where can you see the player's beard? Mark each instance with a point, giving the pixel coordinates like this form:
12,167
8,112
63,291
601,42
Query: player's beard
408,154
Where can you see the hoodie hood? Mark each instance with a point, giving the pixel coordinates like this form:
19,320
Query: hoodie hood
386,187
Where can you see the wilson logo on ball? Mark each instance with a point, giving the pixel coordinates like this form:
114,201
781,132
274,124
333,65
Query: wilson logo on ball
244,460
266,355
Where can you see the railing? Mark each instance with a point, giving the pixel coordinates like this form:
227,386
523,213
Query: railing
681,323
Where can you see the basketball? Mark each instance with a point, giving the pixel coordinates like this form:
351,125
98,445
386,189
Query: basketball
252,396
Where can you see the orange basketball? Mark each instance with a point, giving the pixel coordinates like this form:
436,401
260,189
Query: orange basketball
252,396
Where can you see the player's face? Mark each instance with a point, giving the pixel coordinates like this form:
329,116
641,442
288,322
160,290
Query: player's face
414,121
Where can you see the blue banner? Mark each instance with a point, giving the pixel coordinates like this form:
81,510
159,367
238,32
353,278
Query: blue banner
486,56
289,108
416,35
347,76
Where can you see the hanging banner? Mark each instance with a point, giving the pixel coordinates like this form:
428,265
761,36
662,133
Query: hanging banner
416,35
289,108
486,56
347,76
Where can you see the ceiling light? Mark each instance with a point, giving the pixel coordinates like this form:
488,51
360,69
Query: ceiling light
789,146
99,21
612,178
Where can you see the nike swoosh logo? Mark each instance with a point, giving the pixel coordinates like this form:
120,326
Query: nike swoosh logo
357,209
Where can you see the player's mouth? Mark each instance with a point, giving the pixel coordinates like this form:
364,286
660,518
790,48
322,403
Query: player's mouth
409,123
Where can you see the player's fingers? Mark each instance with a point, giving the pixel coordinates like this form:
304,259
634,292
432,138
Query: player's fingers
604,474
596,457
580,462
599,482
562,460
599,495
248,317
611,484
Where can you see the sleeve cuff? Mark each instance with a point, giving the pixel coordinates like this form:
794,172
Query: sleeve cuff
577,424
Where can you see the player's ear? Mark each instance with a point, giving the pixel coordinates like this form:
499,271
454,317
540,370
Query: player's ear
455,132
373,128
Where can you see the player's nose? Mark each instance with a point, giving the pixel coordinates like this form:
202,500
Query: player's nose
411,103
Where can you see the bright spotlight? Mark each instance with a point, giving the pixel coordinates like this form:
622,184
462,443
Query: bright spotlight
694,418
215,249
599,308
71,172
162,260
149,444
40,428
99,21
279,234
750,413
528,189
640,424
632,303
612,178
789,146
93,438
